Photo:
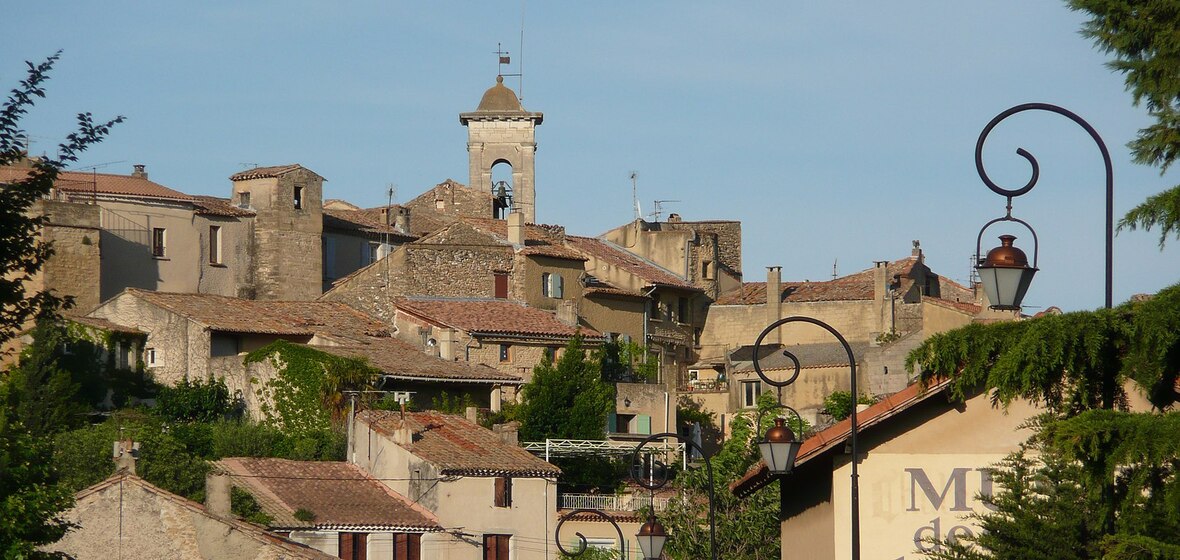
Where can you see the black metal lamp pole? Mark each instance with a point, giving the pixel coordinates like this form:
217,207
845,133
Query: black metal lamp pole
855,505
651,535
1011,193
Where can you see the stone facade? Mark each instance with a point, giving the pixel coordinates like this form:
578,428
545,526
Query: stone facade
706,253
453,199
501,131
288,226
73,229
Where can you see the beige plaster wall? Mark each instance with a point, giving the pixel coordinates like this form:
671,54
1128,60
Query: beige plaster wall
465,502
234,275
650,399
936,319
596,530
529,280
606,313
127,247
731,326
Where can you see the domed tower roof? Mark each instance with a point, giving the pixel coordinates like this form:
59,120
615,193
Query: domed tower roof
499,99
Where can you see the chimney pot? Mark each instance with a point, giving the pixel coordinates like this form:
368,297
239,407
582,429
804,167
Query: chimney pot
140,171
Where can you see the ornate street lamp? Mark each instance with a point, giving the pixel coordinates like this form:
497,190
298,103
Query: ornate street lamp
1006,277
780,446
651,536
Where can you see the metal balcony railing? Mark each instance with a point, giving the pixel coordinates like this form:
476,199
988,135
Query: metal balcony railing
611,502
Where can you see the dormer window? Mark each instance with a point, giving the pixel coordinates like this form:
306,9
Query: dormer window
298,198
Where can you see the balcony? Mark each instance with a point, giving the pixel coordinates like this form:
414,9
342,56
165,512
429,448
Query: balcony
611,502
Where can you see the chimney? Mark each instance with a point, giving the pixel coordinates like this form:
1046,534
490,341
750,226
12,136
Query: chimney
402,220
447,339
673,218
217,491
140,171
509,432
567,312
917,251
516,229
472,414
774,301
880,280
403,435
125,453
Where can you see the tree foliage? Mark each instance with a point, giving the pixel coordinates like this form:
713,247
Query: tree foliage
567,399
1094,481
747,528
195,401
21,251
1142,37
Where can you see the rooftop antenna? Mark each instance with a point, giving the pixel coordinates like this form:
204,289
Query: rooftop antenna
248,164
520,95
635,194
834,261
659,208
99,165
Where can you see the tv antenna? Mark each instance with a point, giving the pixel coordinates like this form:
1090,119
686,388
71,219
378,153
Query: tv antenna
659,208
99,165
635,194
834,261
248,164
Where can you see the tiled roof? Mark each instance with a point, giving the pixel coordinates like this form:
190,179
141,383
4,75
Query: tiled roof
817,355
620,258
968,308
606,289
213,206
491,317
103,324
854,287
285,548
422,221
758,475
403,361
99,183
458,447
341,495
269,317
261,172
349,220
539,239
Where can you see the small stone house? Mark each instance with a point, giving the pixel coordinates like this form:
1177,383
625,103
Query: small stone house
334,507
124,516
498,501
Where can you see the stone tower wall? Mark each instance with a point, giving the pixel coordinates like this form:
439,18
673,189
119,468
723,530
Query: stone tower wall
287,241
512,141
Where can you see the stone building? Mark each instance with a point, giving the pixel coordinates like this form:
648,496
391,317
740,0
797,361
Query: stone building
125,516
501,132
503,498
204,336
332,506
707,254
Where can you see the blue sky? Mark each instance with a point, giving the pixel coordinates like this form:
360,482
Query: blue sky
835,131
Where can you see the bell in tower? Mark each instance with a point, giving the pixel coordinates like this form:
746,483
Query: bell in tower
501,132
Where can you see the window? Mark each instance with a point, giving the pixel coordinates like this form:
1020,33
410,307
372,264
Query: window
158,239
495,547
407,546
505,353
706,272
150,357
503,492
751,390
223,344
214,244
682,310
653,311
353,546
243,200
298,197
121,358
552,285
373,253
501,285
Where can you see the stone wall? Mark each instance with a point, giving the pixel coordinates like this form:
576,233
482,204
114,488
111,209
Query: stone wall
71,270
450,198
233,276
287,240
731,326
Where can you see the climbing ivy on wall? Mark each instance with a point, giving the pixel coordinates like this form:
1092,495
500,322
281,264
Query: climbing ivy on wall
306,393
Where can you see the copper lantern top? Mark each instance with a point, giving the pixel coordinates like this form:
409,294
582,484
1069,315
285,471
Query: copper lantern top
1006,256
780,433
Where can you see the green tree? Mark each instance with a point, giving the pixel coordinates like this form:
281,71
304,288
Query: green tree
41,394
566,400
1142,37
747,528
195,401
1100,476
30,499
22,253
839,404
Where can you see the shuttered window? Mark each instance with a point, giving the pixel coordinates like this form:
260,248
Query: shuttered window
495,547
353,546
407,546
503,492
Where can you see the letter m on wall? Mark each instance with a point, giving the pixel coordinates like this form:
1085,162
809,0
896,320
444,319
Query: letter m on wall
955,487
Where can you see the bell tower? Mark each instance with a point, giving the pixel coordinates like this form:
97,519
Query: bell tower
500,131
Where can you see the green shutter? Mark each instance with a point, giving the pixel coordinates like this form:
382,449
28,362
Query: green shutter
612,423
644,425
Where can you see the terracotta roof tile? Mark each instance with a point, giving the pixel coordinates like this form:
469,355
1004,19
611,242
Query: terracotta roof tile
422,222
261,172
539,239
103,324
403,361
491,317
269,317
458,447
888,407
363,222
341,495
857,286
968,308
213,206
620,258
99,183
